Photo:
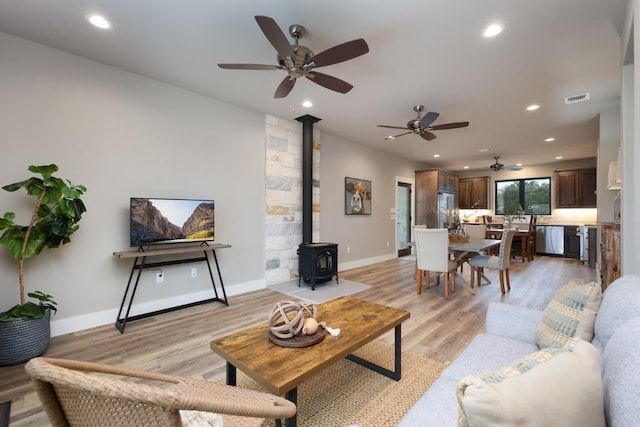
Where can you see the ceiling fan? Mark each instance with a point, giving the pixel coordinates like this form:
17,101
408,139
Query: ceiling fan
422,126
497,166
300,61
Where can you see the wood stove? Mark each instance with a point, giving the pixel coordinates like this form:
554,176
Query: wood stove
317,263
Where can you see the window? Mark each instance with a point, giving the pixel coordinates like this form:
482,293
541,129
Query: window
533,195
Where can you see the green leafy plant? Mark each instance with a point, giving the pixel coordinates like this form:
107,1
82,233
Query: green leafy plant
31,310
58,209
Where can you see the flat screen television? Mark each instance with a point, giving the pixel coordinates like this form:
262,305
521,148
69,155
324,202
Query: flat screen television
154,221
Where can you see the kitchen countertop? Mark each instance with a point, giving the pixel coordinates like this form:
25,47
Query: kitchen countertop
546,222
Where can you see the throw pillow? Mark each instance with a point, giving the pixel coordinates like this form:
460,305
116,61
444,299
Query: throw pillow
571,313
552,387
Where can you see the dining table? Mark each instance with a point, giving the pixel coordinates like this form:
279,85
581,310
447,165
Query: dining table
463,251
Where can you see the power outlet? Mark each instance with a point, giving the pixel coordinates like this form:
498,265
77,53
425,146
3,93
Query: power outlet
194,272
160,277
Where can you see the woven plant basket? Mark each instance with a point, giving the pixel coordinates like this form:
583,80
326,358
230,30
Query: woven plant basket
21,340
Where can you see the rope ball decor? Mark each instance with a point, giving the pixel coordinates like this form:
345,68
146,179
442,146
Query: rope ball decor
286,319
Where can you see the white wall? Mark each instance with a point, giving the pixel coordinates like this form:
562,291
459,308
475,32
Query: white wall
608,144
123,135
366,236
630,153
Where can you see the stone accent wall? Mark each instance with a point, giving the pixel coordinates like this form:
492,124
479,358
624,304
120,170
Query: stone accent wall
284,197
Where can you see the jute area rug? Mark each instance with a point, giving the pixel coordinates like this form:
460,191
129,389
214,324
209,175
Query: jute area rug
347,393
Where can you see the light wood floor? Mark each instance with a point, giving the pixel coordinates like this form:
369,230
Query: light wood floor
178,342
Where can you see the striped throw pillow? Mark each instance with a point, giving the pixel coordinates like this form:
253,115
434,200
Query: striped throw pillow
571,313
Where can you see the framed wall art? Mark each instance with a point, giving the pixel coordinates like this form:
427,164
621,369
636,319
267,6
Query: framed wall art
357,196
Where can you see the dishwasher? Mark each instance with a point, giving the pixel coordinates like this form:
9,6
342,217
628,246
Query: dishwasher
550,239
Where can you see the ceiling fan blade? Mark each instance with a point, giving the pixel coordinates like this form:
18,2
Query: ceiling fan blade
284,87
249,67
427,135
339,53
512,168
428,118
329,82
276,37
449,126
395,136
392,127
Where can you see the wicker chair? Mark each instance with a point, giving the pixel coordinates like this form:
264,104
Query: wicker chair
76,393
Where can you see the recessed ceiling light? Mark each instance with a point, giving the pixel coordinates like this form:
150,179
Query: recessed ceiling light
465,167
549,139
533,107
307,104
493,30
436,155
519,164
99,21
558,157
484,150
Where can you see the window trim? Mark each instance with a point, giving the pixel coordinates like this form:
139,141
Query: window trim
521,189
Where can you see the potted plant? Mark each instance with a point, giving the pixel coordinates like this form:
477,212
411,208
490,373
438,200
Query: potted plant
25,328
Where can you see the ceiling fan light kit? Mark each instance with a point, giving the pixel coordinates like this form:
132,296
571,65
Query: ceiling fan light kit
422,126
497,166
300,61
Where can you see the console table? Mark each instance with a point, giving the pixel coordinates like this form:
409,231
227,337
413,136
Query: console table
140,263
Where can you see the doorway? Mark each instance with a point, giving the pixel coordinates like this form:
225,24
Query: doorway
403,218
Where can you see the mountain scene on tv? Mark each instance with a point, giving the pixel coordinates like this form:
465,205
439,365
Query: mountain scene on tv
157,220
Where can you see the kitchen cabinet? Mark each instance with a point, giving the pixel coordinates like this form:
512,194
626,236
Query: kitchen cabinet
571,243
609,253
576,188
473,193
447,183
430,185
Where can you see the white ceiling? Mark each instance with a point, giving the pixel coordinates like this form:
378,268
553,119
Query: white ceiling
421,52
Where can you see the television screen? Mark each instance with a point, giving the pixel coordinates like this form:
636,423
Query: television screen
170,220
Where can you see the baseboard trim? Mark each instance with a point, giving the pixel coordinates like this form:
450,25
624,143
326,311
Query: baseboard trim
106,317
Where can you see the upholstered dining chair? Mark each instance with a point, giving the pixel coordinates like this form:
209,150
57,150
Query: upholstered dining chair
75,393
432,254
498,262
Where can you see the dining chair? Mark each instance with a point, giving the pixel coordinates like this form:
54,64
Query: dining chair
498,262
75,393
413,243
525,245
533,221
432,254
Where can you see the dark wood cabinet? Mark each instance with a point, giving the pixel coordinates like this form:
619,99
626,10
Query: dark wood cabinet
428,184
447,183
571,243
473,193
576,188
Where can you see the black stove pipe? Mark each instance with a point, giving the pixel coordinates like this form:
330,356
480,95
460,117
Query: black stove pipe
307,176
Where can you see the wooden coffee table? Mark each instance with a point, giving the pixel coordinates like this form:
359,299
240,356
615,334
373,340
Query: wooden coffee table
280,370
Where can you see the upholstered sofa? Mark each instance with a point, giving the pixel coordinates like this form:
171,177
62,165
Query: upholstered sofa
511,334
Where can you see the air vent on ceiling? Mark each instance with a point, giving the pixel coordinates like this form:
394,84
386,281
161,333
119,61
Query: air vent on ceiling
577,98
